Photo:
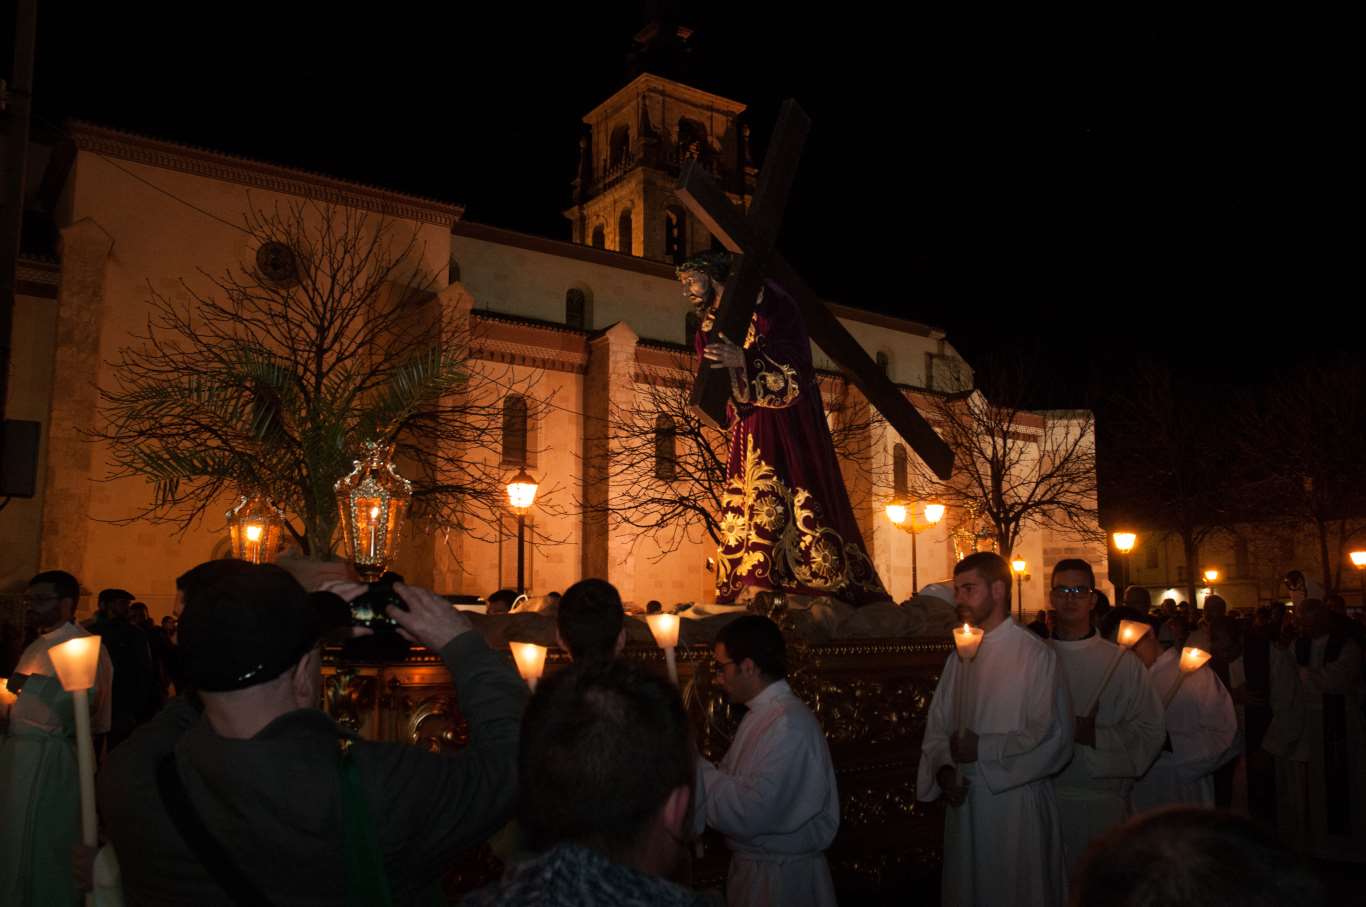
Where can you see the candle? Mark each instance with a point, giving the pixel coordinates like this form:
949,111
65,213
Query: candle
665,630
77,661
1130,632
1192,660
530,660
7,699
967,638
374,522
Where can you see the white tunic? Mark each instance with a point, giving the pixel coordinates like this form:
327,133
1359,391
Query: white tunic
1004,844
774,799
1093,790
1203,729
33,712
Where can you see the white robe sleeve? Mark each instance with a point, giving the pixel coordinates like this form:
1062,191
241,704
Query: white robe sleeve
1130,740
768,794
1197,753
934,747
1043,745
1338,676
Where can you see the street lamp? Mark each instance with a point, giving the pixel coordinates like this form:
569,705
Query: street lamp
1124,544
1019,565
1359,561
903,518
521,495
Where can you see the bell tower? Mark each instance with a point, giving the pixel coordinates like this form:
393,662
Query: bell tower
634,146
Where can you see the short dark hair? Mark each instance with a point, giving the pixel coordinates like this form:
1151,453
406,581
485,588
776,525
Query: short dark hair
1109,624
603,745
1076,563
209,572
1186,856
1141,592
65,584
503,595
989,565
757,638
114,595
590,619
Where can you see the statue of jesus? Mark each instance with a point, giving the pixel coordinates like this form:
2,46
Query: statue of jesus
786,522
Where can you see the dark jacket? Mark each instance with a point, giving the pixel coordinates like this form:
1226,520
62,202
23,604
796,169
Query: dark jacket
274,801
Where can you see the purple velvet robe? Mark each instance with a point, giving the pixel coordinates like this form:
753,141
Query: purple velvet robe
786,521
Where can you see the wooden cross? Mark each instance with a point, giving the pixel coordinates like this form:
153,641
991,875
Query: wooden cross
752,237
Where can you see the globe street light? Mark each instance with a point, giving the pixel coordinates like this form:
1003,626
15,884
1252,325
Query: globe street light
1019,565
902,517
1124,544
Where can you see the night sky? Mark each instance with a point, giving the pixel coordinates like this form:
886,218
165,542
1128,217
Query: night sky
1081,188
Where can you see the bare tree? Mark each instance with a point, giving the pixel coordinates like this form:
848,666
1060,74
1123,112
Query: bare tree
668,469
1014,467
271,380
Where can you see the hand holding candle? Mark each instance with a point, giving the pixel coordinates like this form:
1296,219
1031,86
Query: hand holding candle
966,639
1192,660
665,630
1130,632
530,660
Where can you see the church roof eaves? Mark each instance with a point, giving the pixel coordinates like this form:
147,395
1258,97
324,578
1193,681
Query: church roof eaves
130,146
563,249
696,95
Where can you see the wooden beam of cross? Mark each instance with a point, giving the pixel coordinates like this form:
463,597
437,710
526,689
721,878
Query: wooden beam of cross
753,238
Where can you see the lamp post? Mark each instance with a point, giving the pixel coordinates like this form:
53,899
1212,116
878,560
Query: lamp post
76,662
1019,565
903,518
1124,544
1359,561
521,495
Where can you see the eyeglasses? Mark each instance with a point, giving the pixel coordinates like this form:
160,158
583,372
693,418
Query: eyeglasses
720,666
1071,591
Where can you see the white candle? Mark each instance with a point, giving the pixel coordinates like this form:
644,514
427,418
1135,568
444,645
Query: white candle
530,660
1130,632
77,661
664,627
374,518
1192,660
967,639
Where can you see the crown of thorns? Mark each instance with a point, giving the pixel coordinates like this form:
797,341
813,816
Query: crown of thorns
715,265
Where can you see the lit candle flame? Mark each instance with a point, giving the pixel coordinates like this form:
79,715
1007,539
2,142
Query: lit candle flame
1193,659
254,533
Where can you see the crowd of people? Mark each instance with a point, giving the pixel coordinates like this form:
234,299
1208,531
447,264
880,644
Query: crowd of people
1066,764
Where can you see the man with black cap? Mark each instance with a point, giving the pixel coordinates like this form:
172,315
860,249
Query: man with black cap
265,800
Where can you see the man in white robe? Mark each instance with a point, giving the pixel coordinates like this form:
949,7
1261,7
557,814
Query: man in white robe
773,796
1002,837
39,787
1202,732
1324,783
1117,740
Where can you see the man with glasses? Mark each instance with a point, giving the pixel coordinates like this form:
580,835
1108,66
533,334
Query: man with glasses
1001,838
773,796
39,787
1121,735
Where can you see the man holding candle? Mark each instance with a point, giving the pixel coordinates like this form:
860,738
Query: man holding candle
773,796
1120,730
39,788
1202,728
1002,841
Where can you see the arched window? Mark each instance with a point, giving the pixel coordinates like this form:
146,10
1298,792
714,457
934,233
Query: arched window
599,237
675,234
692,323
899,484
624,232
576,308
453,271
666,448
884,363
692,139
620,145
514,431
